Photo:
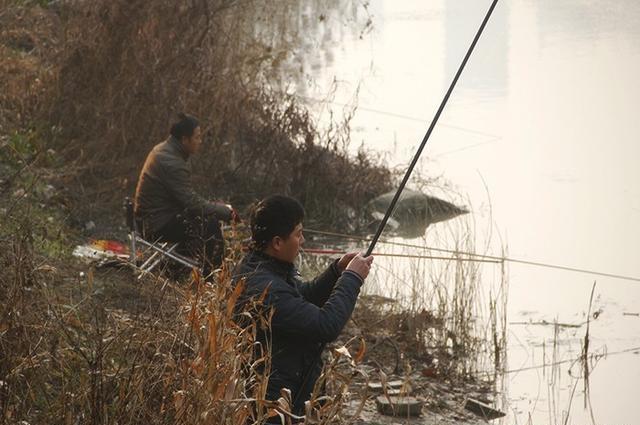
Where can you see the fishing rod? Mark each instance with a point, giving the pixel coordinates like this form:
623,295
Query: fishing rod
414,161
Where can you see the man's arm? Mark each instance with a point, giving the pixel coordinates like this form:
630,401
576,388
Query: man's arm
294,315
318,290
177,180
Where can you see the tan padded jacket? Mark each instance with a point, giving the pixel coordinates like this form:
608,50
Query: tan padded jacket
165,189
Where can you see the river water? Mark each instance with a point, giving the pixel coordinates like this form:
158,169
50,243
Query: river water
540,139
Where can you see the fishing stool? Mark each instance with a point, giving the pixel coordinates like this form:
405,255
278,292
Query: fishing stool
159,249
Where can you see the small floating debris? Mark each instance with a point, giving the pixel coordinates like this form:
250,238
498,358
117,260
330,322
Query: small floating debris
547,323
399,406
482,409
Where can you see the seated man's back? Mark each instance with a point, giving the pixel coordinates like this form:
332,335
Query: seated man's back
165,200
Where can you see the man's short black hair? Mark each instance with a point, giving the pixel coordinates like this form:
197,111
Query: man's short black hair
277,215
184,127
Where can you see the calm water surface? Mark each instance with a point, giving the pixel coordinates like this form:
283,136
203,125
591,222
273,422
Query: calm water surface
542,140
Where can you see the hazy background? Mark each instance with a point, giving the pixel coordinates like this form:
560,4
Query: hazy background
541,137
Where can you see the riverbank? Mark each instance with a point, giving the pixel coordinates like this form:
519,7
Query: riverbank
100,345
88,89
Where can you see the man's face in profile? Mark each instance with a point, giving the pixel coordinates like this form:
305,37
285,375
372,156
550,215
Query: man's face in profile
193,143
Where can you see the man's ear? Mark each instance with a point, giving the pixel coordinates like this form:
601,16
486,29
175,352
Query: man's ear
276,243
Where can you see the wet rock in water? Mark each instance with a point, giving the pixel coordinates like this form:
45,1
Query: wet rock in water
399,406
483,410
414,211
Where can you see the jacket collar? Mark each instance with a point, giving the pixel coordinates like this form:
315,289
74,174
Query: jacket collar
175,143
283,268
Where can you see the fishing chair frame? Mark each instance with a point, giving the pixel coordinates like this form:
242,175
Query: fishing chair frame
160,250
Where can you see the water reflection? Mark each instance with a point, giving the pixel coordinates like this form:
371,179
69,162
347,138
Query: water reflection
585,19
414,212
303,37
555,82
486,71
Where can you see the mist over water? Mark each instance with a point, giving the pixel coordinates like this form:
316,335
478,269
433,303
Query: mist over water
540,140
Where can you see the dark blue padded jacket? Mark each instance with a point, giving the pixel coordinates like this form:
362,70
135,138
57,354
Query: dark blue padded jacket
305,316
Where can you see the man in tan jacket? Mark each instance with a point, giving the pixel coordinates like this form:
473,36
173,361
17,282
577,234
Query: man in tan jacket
169,207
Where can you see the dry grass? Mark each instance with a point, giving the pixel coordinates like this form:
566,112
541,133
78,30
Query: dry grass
98,346
70,357
101,348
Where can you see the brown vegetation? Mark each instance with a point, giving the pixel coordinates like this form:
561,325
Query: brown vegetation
102,81
96,349
88,88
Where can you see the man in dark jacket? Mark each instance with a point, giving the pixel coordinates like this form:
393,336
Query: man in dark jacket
167,204
305,315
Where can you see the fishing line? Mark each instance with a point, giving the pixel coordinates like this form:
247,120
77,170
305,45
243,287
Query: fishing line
492,137
388,242
495,258
595,356
319,251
